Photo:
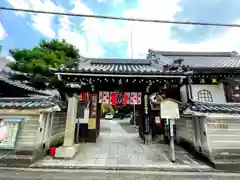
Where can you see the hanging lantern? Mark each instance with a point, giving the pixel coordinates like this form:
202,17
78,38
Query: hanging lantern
214,81
120,82
165,86
93,88
236,87
236,95
202,81
83,95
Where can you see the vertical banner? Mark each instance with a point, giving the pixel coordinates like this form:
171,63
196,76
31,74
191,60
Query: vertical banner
139,98
126,98
104,97
100,97
120,98
113,98
135,98
84,95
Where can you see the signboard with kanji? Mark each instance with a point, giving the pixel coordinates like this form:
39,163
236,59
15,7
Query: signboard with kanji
169,109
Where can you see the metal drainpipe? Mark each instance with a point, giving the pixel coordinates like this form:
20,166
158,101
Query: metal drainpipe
190,88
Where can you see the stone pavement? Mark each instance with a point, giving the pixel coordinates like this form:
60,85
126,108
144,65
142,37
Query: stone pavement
118,149
77,174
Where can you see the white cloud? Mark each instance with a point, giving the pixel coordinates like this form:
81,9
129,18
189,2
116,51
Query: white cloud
3,33
101,1
157,36
98,31
114,2
89,35
41,22
88,46
228,41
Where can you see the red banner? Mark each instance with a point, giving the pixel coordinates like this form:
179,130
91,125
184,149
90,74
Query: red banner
119,98
84,95
113,98
125,100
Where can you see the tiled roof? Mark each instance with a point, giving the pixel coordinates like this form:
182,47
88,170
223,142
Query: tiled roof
29,103
215,108
5,78
117,66
121,66
119,61
235,80
202,59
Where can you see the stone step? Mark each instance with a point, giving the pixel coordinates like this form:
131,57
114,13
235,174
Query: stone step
16,160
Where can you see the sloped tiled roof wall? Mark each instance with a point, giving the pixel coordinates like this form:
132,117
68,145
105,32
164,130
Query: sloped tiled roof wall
215,108
203,59
117,66
30,103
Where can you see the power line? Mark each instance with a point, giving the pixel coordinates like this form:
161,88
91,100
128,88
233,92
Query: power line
120,18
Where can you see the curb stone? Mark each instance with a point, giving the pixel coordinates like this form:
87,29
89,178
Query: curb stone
175,168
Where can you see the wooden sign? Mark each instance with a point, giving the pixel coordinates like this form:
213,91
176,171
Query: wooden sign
92,123
169,109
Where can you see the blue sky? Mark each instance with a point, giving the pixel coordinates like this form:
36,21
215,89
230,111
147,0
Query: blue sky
107,38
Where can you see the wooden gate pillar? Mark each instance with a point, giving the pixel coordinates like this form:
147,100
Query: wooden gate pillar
92,121
147,127
98,116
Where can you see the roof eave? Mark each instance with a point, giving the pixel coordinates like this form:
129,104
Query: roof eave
163,74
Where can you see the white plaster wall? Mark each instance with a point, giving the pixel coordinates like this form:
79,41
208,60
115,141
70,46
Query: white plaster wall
183,94
217,92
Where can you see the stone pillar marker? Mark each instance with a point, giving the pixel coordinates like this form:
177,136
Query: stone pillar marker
68,149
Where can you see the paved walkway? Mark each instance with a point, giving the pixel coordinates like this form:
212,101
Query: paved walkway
120,147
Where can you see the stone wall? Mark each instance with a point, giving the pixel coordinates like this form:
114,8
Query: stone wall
37,131
217,138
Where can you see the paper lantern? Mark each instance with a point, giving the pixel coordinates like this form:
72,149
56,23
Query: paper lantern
202,81
214,81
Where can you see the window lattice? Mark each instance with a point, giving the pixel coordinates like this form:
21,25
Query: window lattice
204,95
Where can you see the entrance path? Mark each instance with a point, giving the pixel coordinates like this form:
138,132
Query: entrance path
119,147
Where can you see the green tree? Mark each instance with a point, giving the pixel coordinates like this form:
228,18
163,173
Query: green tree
107,108
33,65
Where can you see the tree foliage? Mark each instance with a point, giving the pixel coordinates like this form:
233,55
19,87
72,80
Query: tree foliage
33,65
107,108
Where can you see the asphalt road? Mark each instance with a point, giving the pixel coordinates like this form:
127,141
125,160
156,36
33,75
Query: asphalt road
45,174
